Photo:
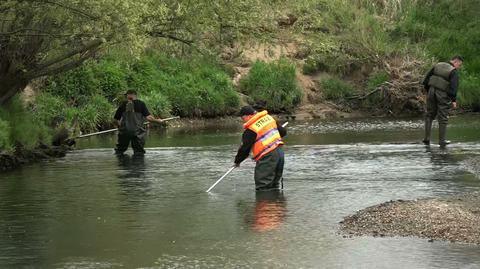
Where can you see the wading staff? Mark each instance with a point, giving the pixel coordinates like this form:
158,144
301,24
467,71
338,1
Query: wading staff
220,179
233,167
116,129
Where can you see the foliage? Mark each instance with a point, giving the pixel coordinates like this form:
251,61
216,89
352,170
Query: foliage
435,25
55,111
468,95
23,128
342,38
50,37
49,109
158,104
335,89
4,134
376,79
273,84
193,89
167,85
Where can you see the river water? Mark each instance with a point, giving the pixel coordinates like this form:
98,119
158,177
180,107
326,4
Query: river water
94,210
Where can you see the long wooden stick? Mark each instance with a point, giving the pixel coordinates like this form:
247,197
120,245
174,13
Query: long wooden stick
116,129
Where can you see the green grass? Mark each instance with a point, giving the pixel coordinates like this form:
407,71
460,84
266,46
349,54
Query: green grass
468,95
188,88
376,79
447,28
20,127
273,84
335,89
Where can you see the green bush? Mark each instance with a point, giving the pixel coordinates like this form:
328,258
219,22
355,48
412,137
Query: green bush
273,84
4,135
376,79
435,24
49,109
468,95
158,104
95,114
111,78
78,84
335,89
189,89
193,88
24,129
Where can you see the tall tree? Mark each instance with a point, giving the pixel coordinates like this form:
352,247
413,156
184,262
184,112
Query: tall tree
44,37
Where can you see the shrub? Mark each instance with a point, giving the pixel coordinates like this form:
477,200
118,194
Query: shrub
335,89
4,135
168,85
376,79
468,95
111,79
158,104
49,109
79,84
96,113
188,89
273,84
24,129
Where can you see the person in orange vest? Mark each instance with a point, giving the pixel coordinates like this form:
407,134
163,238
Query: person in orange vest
262,137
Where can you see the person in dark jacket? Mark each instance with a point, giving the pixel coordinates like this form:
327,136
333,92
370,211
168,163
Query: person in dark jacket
441,82
262,137
131,116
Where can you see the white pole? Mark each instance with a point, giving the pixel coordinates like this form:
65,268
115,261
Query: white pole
231,169
220,179
116,129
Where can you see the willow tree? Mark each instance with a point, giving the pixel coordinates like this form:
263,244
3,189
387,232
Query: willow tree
45,37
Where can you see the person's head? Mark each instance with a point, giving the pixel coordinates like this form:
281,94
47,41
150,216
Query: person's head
457,61
131,94
247,112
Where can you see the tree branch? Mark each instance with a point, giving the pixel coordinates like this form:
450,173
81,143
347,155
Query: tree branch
75,10
62,68
170,36
89,46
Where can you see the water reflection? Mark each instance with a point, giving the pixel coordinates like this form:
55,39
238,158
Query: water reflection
268,212
442,156
132,177
131,167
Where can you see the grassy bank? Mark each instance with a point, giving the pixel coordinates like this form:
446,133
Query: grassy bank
169,86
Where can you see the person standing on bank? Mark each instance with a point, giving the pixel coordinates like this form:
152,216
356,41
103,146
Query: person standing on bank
263,137
131,116
441,83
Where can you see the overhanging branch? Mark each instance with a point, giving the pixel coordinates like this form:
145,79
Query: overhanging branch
89,46
62,68
172,37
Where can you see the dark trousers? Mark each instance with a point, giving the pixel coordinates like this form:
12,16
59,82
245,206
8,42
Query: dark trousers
269,170
124,139
438,105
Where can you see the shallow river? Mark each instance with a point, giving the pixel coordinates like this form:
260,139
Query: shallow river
94,210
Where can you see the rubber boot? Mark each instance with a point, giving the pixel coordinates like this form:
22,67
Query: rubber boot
428,130
442,132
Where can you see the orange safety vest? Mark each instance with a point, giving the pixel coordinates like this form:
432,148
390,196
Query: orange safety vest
268,137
